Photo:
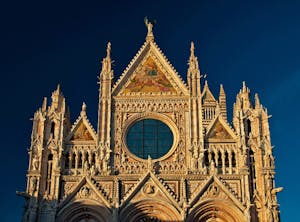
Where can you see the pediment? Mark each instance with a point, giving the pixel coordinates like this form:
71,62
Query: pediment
150,187
219,130
150,73
214,189
81,131
84,189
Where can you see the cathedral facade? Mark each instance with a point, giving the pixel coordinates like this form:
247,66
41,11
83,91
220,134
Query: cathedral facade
163,150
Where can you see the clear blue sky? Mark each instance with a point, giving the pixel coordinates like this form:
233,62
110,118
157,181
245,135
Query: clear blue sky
45,43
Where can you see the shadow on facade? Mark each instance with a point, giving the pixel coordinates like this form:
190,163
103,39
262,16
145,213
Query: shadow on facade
86,210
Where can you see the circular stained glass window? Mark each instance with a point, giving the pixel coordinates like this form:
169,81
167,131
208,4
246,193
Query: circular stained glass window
149,137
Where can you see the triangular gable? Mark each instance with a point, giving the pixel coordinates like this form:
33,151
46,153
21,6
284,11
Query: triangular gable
149,186
82,130
220,130
207,96
150,73
214,189
85,189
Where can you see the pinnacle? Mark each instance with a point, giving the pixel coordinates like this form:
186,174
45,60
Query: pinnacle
222,92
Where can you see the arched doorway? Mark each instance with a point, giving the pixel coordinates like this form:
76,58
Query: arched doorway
150,211
84,211
216,211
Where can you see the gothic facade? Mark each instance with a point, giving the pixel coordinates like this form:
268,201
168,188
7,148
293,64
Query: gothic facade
162,151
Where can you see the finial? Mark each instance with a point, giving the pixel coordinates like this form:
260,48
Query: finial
108,49
192,49
222,91
205,83
58,87
83,109
244,86
149,25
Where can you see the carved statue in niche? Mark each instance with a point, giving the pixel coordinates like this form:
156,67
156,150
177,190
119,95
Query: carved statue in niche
268,158
86,167
201,161
212,168
35,162
93,170
106,160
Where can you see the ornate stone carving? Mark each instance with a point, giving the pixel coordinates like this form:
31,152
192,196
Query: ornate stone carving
208,160
149,189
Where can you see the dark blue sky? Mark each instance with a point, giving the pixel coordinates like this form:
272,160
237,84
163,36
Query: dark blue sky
46,43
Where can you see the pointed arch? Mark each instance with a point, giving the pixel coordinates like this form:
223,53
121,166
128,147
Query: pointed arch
84,209
154,210
216,210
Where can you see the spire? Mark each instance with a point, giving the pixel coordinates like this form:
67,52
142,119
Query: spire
244,96
193,60
222,92
222,102
57,100
149,25
193,73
